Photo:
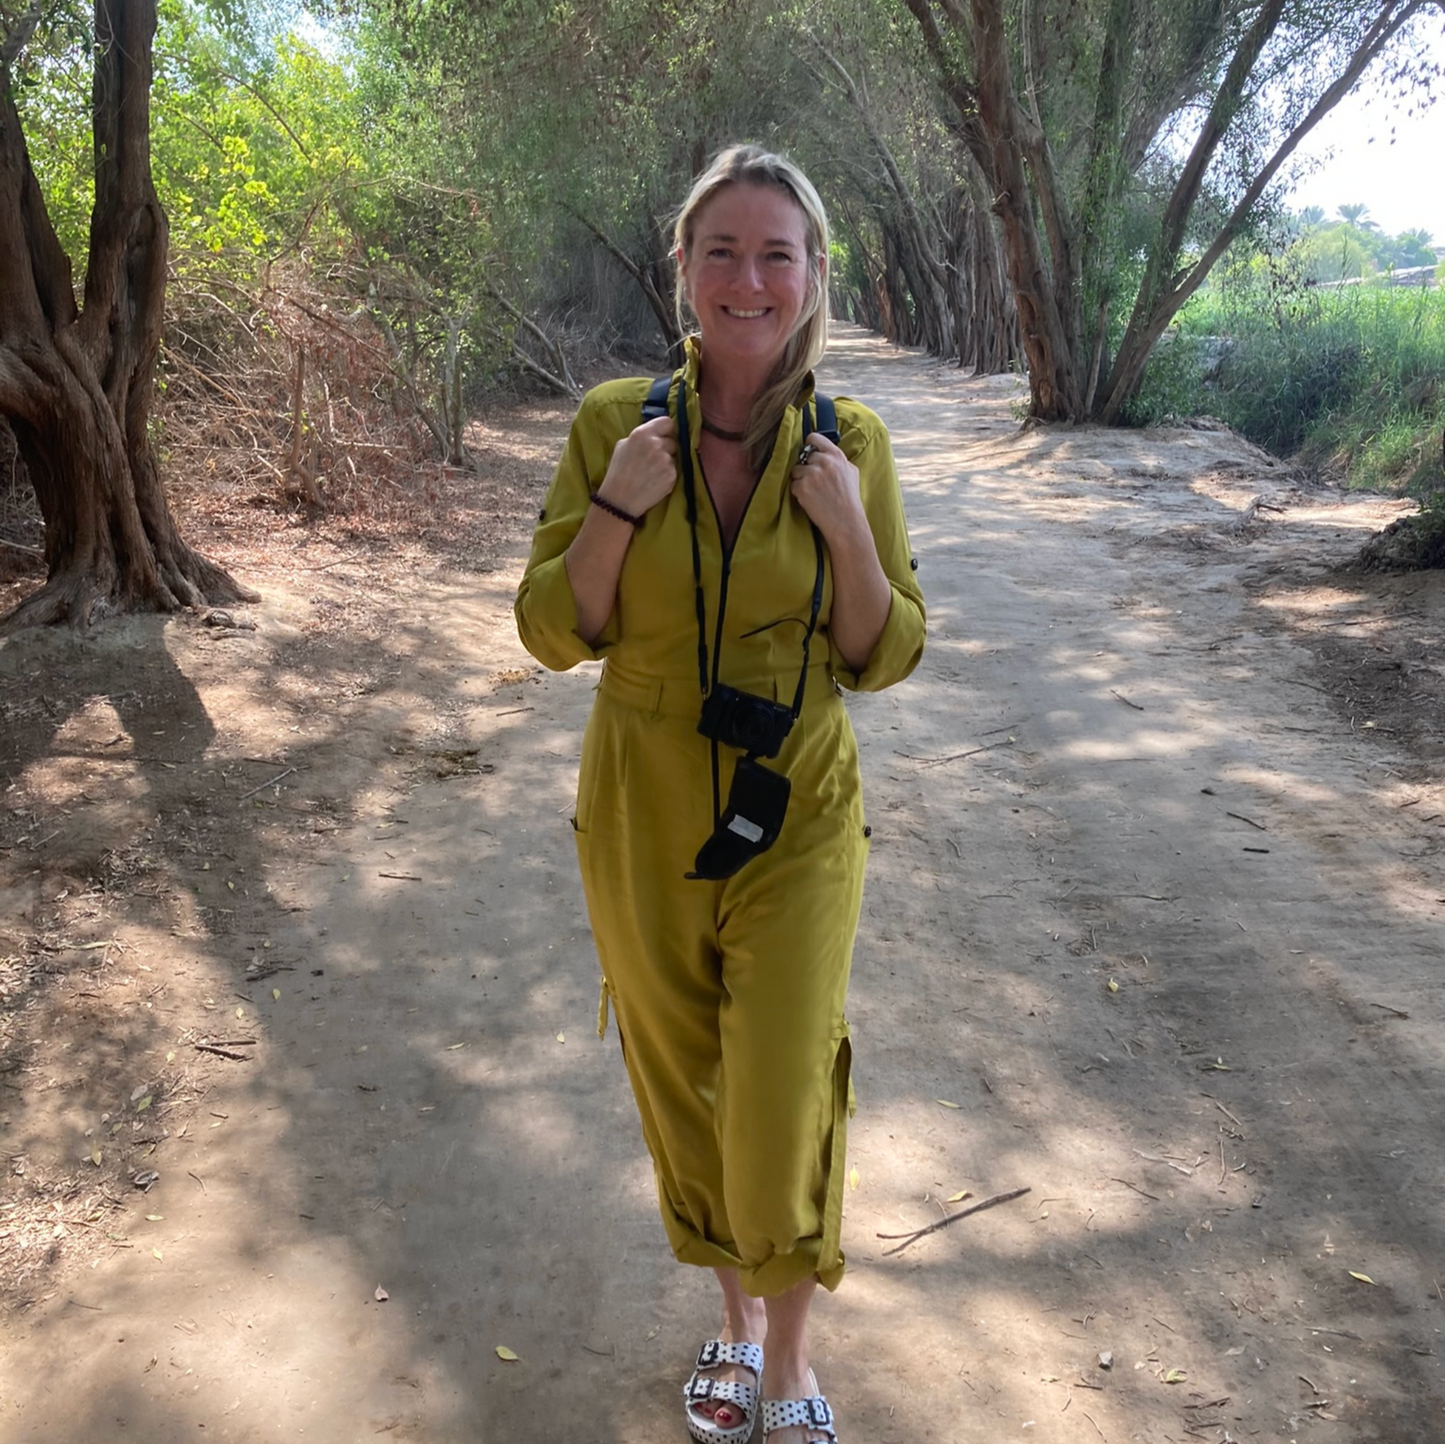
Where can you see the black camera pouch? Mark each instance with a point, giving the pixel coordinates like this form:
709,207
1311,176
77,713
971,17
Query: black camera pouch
750,824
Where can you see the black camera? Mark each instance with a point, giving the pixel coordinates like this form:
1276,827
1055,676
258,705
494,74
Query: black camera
738,719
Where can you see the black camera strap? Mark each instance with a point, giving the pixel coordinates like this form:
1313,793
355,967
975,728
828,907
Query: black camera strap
653,407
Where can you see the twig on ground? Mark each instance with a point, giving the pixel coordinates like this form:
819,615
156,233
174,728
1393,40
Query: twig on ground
1178,1167
1225,1111
1137,708
221,1052
1135,1187
277,778
952,756
909,1238
1240,817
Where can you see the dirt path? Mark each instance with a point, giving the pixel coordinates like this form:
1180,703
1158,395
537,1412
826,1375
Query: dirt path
1154,928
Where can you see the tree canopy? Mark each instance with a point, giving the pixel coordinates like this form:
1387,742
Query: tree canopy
1014,183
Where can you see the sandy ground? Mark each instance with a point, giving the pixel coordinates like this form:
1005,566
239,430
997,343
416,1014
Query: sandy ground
1153,929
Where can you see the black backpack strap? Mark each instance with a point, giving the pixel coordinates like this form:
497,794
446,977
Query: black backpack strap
827,418
656,403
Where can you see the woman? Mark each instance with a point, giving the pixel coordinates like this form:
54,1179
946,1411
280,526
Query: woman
719,545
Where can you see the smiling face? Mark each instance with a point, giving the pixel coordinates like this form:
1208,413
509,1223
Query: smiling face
748,274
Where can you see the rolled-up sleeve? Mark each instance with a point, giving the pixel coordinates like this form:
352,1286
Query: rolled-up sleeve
900,647
546,609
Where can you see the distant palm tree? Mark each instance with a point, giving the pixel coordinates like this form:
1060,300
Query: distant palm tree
1312,216
1414,248
1358,215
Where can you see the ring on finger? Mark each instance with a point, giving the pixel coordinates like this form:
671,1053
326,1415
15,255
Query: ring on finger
805,454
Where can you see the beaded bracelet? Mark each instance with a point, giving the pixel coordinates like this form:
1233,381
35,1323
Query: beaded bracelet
599,500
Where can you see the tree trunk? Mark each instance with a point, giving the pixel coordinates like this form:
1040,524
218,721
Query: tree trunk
1046,334
77,386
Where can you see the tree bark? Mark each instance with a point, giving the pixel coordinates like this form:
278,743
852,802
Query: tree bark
77,385
1046,332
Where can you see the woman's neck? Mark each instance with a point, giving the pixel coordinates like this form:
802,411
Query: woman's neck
727,399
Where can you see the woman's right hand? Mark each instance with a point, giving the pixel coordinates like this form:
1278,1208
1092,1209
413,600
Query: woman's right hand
643,469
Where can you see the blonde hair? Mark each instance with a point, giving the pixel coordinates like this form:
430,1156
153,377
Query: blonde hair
752,165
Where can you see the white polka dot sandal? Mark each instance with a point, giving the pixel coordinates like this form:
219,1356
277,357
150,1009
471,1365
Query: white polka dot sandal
704,1389
811,1413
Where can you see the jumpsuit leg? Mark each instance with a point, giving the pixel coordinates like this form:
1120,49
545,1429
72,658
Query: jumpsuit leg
729,1000
786,1055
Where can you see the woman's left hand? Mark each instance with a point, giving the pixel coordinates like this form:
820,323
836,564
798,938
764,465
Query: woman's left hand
825,485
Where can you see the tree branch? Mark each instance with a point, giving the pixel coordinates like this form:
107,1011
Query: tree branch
19,36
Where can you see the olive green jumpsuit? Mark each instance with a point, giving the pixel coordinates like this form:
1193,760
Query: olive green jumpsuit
729,995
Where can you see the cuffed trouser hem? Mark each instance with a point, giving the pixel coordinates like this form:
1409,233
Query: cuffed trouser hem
811,1257
780,1273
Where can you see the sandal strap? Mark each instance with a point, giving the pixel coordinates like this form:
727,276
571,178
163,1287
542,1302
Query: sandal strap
810,1413
715,1353
699,1390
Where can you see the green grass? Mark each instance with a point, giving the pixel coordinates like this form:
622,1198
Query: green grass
1353,379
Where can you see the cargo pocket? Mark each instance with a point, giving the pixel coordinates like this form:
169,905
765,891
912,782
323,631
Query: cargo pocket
830,1252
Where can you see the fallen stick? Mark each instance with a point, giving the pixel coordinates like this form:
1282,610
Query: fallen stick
264,785
221,1052
1240,817
1136,1188
909,1238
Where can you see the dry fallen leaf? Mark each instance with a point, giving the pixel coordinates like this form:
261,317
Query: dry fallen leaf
1175,1376
144,1103
156,1252
1113,986
853,1177
381,1295
944,1103
561,1037
154,1217
138,1091
1363,1278
452,1047
95,1156
958,1197
276,994
506,1355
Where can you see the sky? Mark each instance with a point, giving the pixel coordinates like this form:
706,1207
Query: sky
1401,179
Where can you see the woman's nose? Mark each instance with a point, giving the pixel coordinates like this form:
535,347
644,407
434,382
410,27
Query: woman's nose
750,272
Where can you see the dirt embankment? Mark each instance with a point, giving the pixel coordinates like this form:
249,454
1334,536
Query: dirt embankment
289,919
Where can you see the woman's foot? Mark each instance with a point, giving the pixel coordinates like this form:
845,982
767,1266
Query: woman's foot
745,1321
793,1411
